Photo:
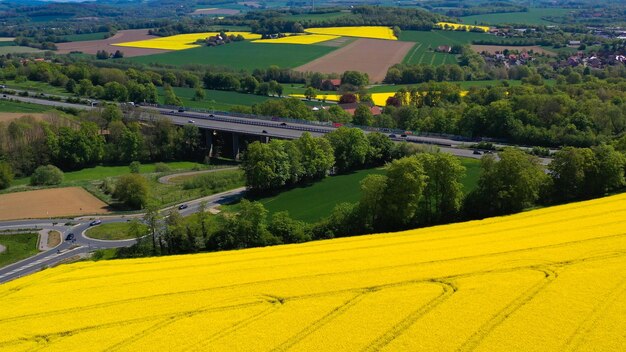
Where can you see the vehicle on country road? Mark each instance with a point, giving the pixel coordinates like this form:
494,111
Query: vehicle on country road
95,222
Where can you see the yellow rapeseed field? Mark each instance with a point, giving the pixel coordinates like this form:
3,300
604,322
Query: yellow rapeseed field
376,32
180,41
552,279
380,99
467,27
299,39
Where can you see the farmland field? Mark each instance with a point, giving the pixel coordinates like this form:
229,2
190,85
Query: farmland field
53,202
215,99
533,16
93,46
179,41
373,32
85,36
427,41
372,56
14,49
299,39
317,17
545,280
499,48
241,55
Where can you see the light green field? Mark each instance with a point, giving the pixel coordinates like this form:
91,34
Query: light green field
18,247
316,17
240,56
18,50
427,42
533,16
214,99
12,106
35,86
85,37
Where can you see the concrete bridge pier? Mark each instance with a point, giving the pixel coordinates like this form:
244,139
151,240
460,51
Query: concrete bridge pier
236,146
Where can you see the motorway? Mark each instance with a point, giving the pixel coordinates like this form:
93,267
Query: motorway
83,244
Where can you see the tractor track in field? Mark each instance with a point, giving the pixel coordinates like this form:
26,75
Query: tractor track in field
477,337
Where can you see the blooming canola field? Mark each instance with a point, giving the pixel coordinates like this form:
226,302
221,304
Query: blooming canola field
180,41
299,39
375,32
551,279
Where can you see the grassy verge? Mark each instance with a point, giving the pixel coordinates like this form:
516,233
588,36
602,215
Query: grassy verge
114,231
13,106
18,247
54,239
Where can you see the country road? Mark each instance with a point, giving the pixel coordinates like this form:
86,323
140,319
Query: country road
83,244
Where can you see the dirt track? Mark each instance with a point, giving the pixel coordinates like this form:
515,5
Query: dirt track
92,46
52,202
373,56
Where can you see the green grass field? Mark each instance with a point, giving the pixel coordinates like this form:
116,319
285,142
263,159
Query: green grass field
85,36
13,49
533,16
215,99
36,86
314,202
113,231
240,55
427,41
18,247
12,106
102,172
7,43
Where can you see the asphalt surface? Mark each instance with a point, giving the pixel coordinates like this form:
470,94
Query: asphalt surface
83,244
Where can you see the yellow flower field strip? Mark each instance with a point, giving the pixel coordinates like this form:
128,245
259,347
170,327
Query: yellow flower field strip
461,25
380,99
375,32
293,296
299,39
181,41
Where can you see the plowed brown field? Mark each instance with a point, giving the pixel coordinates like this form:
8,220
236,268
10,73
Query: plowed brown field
92,46
372,56
52,202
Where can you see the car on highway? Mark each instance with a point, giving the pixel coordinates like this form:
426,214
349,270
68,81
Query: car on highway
70,237
181,110
211,115
183,206
264,131
283,124
477,152
191,121
95,222
403,135
392,136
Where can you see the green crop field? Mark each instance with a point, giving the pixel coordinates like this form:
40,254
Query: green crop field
7,43
427,41
18,247
36,86
14,49
240,55
533,16
215,99
85,36
12,106
314,202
